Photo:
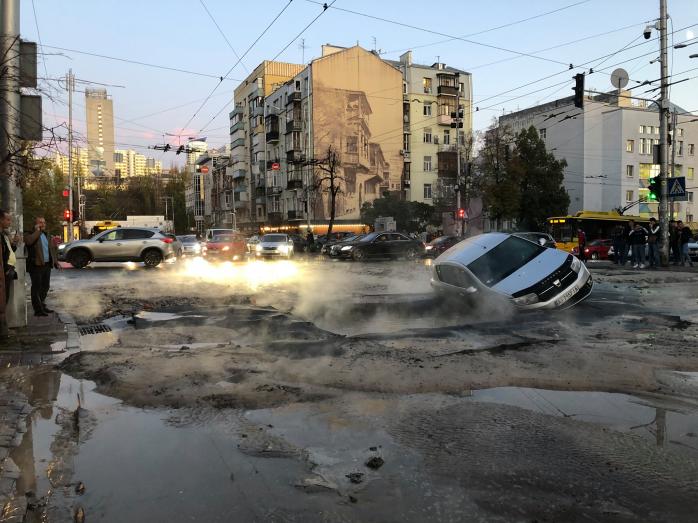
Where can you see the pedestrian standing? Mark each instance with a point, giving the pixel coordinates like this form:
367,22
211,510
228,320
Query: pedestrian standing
582,243
619,244
674,244
638,240
310,241
653,242
685,237
8,246
41,258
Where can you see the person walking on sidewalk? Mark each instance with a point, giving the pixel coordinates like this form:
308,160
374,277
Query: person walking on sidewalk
41,258
581,243
685,237
638,239
653,242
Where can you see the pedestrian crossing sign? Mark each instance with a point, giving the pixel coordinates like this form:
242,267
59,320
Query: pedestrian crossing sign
676,189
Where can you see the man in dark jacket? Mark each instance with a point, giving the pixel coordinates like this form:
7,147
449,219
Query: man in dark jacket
620,248
638,239
674,245
653,243
41,258
685,237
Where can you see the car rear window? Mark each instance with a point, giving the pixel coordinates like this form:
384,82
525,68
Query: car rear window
504,259
274,238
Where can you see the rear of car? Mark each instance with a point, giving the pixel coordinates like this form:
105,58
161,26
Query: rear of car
498,265
232,247
439,245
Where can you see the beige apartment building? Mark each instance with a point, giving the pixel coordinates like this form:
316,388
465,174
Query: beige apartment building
129,163
99,111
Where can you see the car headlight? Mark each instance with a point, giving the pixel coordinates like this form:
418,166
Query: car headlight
576,264
226,248
347,248
527,299
429,247
258,248
61,247
197,247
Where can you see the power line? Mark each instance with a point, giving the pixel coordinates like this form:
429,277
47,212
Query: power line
235,64
223,35
417,28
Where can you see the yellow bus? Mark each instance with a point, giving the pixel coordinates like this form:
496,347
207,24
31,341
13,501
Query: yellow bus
104,225
597,225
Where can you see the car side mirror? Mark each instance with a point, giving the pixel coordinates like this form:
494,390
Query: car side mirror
541,241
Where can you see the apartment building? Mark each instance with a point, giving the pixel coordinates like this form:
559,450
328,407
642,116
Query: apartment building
248,140
99,111
349,100
434,97
129,163
608,147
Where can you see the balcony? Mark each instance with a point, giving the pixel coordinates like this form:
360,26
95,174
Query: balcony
295,156
274,218
273,136
407,156
295,96
239,204
444,119
240,142
294,125
260,191
447,148
271,191
406,184
447,90
237,111
294,183
237,126
239,174
295,215
258,111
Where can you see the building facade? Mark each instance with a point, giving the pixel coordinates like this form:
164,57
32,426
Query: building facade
434,97
608,146
99,111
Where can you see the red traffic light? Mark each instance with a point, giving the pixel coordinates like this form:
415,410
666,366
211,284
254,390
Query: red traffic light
461,213
67,215
66,193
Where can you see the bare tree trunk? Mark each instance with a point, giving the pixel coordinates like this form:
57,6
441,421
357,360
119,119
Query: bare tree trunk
333,208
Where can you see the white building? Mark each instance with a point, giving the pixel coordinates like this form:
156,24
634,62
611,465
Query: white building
608,148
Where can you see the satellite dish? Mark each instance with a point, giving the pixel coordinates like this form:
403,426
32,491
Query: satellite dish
619,78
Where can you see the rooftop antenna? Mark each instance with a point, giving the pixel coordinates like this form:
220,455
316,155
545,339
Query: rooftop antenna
374,42
302,47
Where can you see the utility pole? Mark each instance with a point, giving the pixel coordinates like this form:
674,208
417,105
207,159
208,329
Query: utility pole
673,156
70,81
458,123
663,133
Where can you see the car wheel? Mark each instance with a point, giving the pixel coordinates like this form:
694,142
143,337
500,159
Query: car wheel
411,254
152,258
359,255
594,255
79,258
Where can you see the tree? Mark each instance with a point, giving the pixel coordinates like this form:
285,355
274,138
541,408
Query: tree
42,193
328,181
409,216
540,176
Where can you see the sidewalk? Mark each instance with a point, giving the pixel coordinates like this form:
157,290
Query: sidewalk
608,265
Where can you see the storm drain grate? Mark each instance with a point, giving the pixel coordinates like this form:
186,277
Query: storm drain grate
94,329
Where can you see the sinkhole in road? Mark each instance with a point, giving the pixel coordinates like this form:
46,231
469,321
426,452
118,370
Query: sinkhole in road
294,461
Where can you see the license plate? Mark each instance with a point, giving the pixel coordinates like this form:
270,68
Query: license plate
568,295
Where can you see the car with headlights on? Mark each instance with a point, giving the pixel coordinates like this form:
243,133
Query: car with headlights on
382,245
439,245
334,249
232,247
191,246
274,246
505,266
124,244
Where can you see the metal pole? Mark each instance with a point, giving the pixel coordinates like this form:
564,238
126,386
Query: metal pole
10,100
69,85
673,157
663,134
457,188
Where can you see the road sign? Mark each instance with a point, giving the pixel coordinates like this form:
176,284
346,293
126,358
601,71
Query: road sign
204,169
275,166
676,189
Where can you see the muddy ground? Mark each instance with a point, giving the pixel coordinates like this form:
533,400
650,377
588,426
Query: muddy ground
326,365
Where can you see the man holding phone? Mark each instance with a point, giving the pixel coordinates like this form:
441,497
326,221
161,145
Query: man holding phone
41,258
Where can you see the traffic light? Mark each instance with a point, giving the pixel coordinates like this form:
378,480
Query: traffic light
461,213
180,149
68,215
655,190
66,192
579,90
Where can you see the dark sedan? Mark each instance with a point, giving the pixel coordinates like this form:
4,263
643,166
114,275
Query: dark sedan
382,245
441,244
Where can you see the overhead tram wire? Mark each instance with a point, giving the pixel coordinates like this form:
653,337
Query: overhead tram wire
438,33
223,35
235,64
325,7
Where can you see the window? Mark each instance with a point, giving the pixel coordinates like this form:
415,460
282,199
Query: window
427,191
680,132
116,234
427,135
656,130
447,137
629,146
679,149
689,173
648,170
427,163
629,196
642,129
629,170
691,149
543,133
427,109
426,83
406,142
690,196
689,218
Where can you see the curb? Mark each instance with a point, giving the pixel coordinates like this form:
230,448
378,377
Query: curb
71,329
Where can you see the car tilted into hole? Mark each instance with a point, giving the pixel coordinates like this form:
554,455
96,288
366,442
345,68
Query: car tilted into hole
505,266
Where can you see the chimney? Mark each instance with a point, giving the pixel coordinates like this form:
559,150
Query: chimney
406,58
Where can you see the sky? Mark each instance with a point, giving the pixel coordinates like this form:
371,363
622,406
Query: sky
151,104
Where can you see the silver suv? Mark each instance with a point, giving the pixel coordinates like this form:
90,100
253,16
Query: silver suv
137,244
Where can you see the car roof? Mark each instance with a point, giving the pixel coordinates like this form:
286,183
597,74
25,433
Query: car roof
472,248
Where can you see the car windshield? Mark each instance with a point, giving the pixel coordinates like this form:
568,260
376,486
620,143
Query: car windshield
187,239
504,259
353,238
224,238
274,238
369,237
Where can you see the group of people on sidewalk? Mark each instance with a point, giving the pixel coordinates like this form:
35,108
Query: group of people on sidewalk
644,244
41,258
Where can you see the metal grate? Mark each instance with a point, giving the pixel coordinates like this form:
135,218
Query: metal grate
97,328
